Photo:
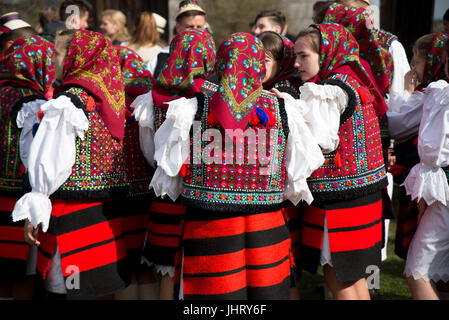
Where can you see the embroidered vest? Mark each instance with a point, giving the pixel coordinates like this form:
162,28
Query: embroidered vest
12,171
386,39
241,180
138,171
357,167
99,171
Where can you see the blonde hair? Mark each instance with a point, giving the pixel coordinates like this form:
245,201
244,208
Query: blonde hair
119,18
145,31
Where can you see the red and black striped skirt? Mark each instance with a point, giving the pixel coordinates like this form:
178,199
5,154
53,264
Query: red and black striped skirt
293,218
13,247
237,257
406,224
164,231
92,243
355,236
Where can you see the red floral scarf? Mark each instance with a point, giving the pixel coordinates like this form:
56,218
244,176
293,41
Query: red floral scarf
340,54
240,68
287,69
28,63
138,79
434,69
191,62
92,64
357,21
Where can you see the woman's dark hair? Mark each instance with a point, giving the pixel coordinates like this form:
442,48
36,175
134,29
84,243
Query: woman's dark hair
68,35
16,34
319,10
273,44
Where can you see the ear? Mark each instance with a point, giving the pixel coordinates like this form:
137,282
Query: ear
9,44
278,29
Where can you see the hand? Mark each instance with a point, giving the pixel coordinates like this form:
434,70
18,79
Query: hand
411,81
277,93
391,158
31,234
422,206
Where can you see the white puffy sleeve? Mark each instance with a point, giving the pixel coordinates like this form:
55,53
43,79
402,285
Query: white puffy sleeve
322,106
172,144
401,67
51,158
26,119
144,114
303,155
403,124
427,180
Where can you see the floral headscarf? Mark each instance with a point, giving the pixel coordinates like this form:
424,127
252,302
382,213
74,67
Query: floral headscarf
287,69
434,69
240,69
138,79
92,63
28,63
340,54
191,62
357,21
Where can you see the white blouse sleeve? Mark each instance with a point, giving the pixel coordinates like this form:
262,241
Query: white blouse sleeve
51,158
322,106
172,144
144,114
303,155
403,124
427,180
401,67
26,119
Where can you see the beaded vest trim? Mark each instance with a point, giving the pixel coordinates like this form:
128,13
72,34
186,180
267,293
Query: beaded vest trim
99,171
360,168
237,187
12,171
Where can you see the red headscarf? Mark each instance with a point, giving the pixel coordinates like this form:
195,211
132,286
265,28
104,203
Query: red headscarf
357,21
138,79
28,63
340,54
434,68
93,65
287,69
191,62
240,68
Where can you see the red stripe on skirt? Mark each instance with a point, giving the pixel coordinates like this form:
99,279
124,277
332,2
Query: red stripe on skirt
7,204
63,207
90,235
169,208
166,229
355,240
172,242
344,218
14,251
12,234
232,226
314,215
95,257
236,260
312,237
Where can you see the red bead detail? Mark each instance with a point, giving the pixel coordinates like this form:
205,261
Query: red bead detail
254,121
184,170
337,160
212,120
40,114
90,104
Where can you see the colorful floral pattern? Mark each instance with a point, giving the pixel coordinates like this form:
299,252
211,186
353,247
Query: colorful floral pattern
138,78
434,69
28,63
241,182
240,68
11,168
340,54
360,161
92,63
99,168
357,21
287,71
191,62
